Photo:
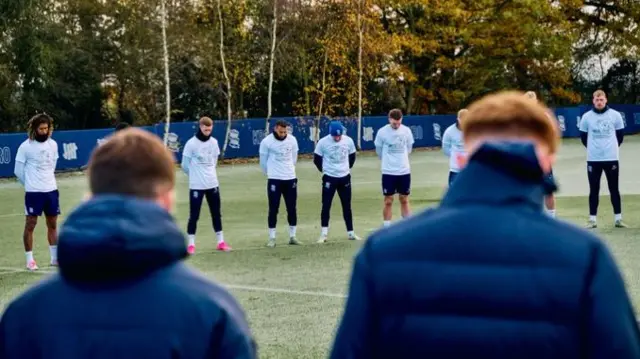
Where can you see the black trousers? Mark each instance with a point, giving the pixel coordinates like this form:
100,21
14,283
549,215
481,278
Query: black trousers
282,188
329,187
195,203
611,170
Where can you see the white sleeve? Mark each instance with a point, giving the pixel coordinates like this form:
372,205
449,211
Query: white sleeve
378,141
21,156
619,122
446,143
56,155
352,146
264,156
217,153
186,158
264,149
294,152
319,148
584,122
410,140
186,151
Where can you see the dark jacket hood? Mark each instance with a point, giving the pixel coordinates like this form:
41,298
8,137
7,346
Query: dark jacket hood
115,238
501,172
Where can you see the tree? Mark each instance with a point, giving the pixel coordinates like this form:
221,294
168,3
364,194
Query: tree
272,56
226,77
360,71
481,46
167,80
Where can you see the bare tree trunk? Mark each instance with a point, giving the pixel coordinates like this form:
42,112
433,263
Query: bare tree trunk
305,83
271,61
324,79
360,74
226,77
411,90
166,72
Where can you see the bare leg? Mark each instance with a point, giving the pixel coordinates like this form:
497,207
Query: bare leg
27,237
388,206
52,230
405,208
550,202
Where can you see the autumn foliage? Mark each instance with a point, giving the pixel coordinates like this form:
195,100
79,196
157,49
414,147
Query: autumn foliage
91,63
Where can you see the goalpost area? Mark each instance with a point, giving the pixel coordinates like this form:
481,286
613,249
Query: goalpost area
294,295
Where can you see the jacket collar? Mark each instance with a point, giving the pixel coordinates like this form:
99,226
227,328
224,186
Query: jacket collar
115,238
500,173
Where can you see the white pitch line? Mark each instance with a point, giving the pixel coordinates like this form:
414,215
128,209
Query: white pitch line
285,291
11,270
19,270
7,271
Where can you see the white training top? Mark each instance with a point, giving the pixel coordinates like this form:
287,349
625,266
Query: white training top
453,146
394,146
278,158
602,143
335,155
203,162
40,159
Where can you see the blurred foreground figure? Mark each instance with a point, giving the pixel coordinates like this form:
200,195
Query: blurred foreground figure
488,274
123,291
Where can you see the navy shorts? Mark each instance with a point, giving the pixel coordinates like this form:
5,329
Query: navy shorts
392,184
35,203
452,177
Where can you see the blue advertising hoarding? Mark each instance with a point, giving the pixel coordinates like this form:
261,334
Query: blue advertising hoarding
245,135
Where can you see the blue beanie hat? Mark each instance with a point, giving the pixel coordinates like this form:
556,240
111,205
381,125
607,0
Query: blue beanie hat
336,128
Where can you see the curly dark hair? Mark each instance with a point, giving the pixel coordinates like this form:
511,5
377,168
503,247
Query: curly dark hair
36,121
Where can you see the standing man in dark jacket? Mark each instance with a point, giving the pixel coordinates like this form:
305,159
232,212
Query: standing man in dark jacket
488,274
123,291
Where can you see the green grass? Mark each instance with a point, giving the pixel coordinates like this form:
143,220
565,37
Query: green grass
301,323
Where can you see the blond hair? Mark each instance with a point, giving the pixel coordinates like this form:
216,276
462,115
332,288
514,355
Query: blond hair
599,93
207,121
462,113
511,114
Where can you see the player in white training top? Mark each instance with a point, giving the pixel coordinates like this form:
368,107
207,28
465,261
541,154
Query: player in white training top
35,168
453,145
394,143
199,162
602,133
278,158
334,156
